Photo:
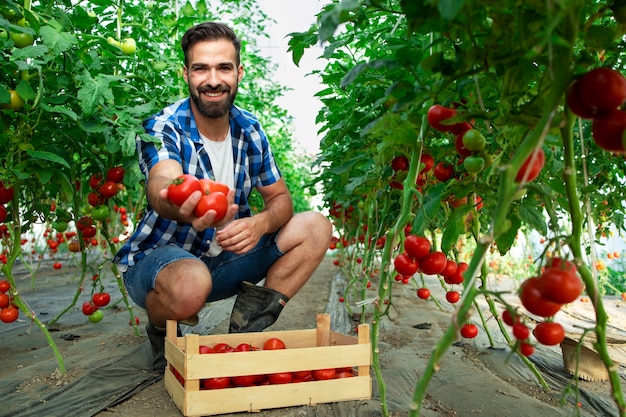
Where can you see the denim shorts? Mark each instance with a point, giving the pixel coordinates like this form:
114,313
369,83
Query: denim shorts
227,269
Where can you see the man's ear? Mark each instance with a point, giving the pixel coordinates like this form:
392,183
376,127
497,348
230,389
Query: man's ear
185,74
239,73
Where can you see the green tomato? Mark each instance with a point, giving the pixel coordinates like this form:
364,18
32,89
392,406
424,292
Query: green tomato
59,226
474,164
473,140
101,213
129,46
96,316
21,39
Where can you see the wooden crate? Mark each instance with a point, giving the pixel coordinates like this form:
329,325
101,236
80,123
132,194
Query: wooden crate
318,348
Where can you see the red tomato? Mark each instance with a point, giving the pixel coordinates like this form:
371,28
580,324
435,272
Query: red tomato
549,333
302,376
343,374
443,172
437,114
608,129
101,299
108,189
423,293
457,277
209,186
213,201
324,374
6,194
532,166
280,378
559,285
453,296
57,265
563,264
244,380
433,263
576,103
428,162
89,232
216,383
520,331
9,314
274,344
205,350
469,330
405,265
533,301
182,187
116,174
526,349
508,318
449,269
400,163
221,347
5,301
602,89
456,202
416,246
3,213
95,181
4,286
88,308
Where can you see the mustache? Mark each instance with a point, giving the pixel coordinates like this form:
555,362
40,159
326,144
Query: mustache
210,89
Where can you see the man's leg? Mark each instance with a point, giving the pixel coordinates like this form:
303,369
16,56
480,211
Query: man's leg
304,241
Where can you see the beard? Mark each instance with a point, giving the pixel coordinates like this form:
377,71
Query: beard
213,109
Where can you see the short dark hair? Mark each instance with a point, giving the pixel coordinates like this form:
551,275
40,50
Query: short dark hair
208,31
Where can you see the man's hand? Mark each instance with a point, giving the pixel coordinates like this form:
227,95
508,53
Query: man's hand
241,235
184,213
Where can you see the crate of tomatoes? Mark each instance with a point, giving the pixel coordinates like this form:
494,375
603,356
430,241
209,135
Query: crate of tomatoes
227,373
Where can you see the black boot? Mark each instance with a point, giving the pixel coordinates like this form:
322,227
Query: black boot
156,335
256,308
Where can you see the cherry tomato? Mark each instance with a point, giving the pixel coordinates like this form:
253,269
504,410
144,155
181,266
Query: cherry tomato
549,333
101,299
5,300
532,299
526,349
433,263
520,331
443,172
400,163
474,164
6,193
4,286
532,166
438,114
416,246
274,343
405,265
559,285
215,201
608,129
602,89
96,316
88,308
469,330
9,314
57,265
457,277
473,140
508,318
423,293
453,297
101,213
449,269
182,187
428,162
108,189
116,174
95,181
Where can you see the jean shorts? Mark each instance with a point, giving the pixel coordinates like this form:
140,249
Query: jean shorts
227,269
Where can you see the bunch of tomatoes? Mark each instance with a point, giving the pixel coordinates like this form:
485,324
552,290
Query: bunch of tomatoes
6,195
214,194
273,343
544,296
598,95
8,311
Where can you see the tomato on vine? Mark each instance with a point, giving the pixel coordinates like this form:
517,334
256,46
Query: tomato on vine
469,330
6,193
405,265
453,297
416,246
549,333
532,299
423,293
532,166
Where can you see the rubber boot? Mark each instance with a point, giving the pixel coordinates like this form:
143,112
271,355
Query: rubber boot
156,335
255,308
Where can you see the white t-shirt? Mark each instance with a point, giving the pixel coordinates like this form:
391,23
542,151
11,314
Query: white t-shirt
223,165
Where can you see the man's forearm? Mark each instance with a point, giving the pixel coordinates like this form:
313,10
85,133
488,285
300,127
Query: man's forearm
276,212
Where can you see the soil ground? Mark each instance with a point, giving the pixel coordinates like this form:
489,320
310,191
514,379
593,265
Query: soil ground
108,366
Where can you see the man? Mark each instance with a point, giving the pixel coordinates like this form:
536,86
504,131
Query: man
175,263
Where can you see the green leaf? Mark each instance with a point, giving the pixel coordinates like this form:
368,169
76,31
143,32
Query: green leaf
506,238
48,156
533,215
390,126
60,110
57,42
454,227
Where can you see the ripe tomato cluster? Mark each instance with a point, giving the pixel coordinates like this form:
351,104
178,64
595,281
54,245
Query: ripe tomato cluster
598,95
213,194
91,308
269,379
8,311
6,195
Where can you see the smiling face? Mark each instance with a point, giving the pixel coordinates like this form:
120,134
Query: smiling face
212,74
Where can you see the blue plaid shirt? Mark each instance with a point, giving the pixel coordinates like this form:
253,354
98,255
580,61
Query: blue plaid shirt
179,139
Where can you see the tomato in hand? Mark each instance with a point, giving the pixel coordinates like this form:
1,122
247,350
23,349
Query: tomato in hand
532,299
209,186
215,201
549,333
433,263
405,265
469,330
532,166
274,344
182,187
416,246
